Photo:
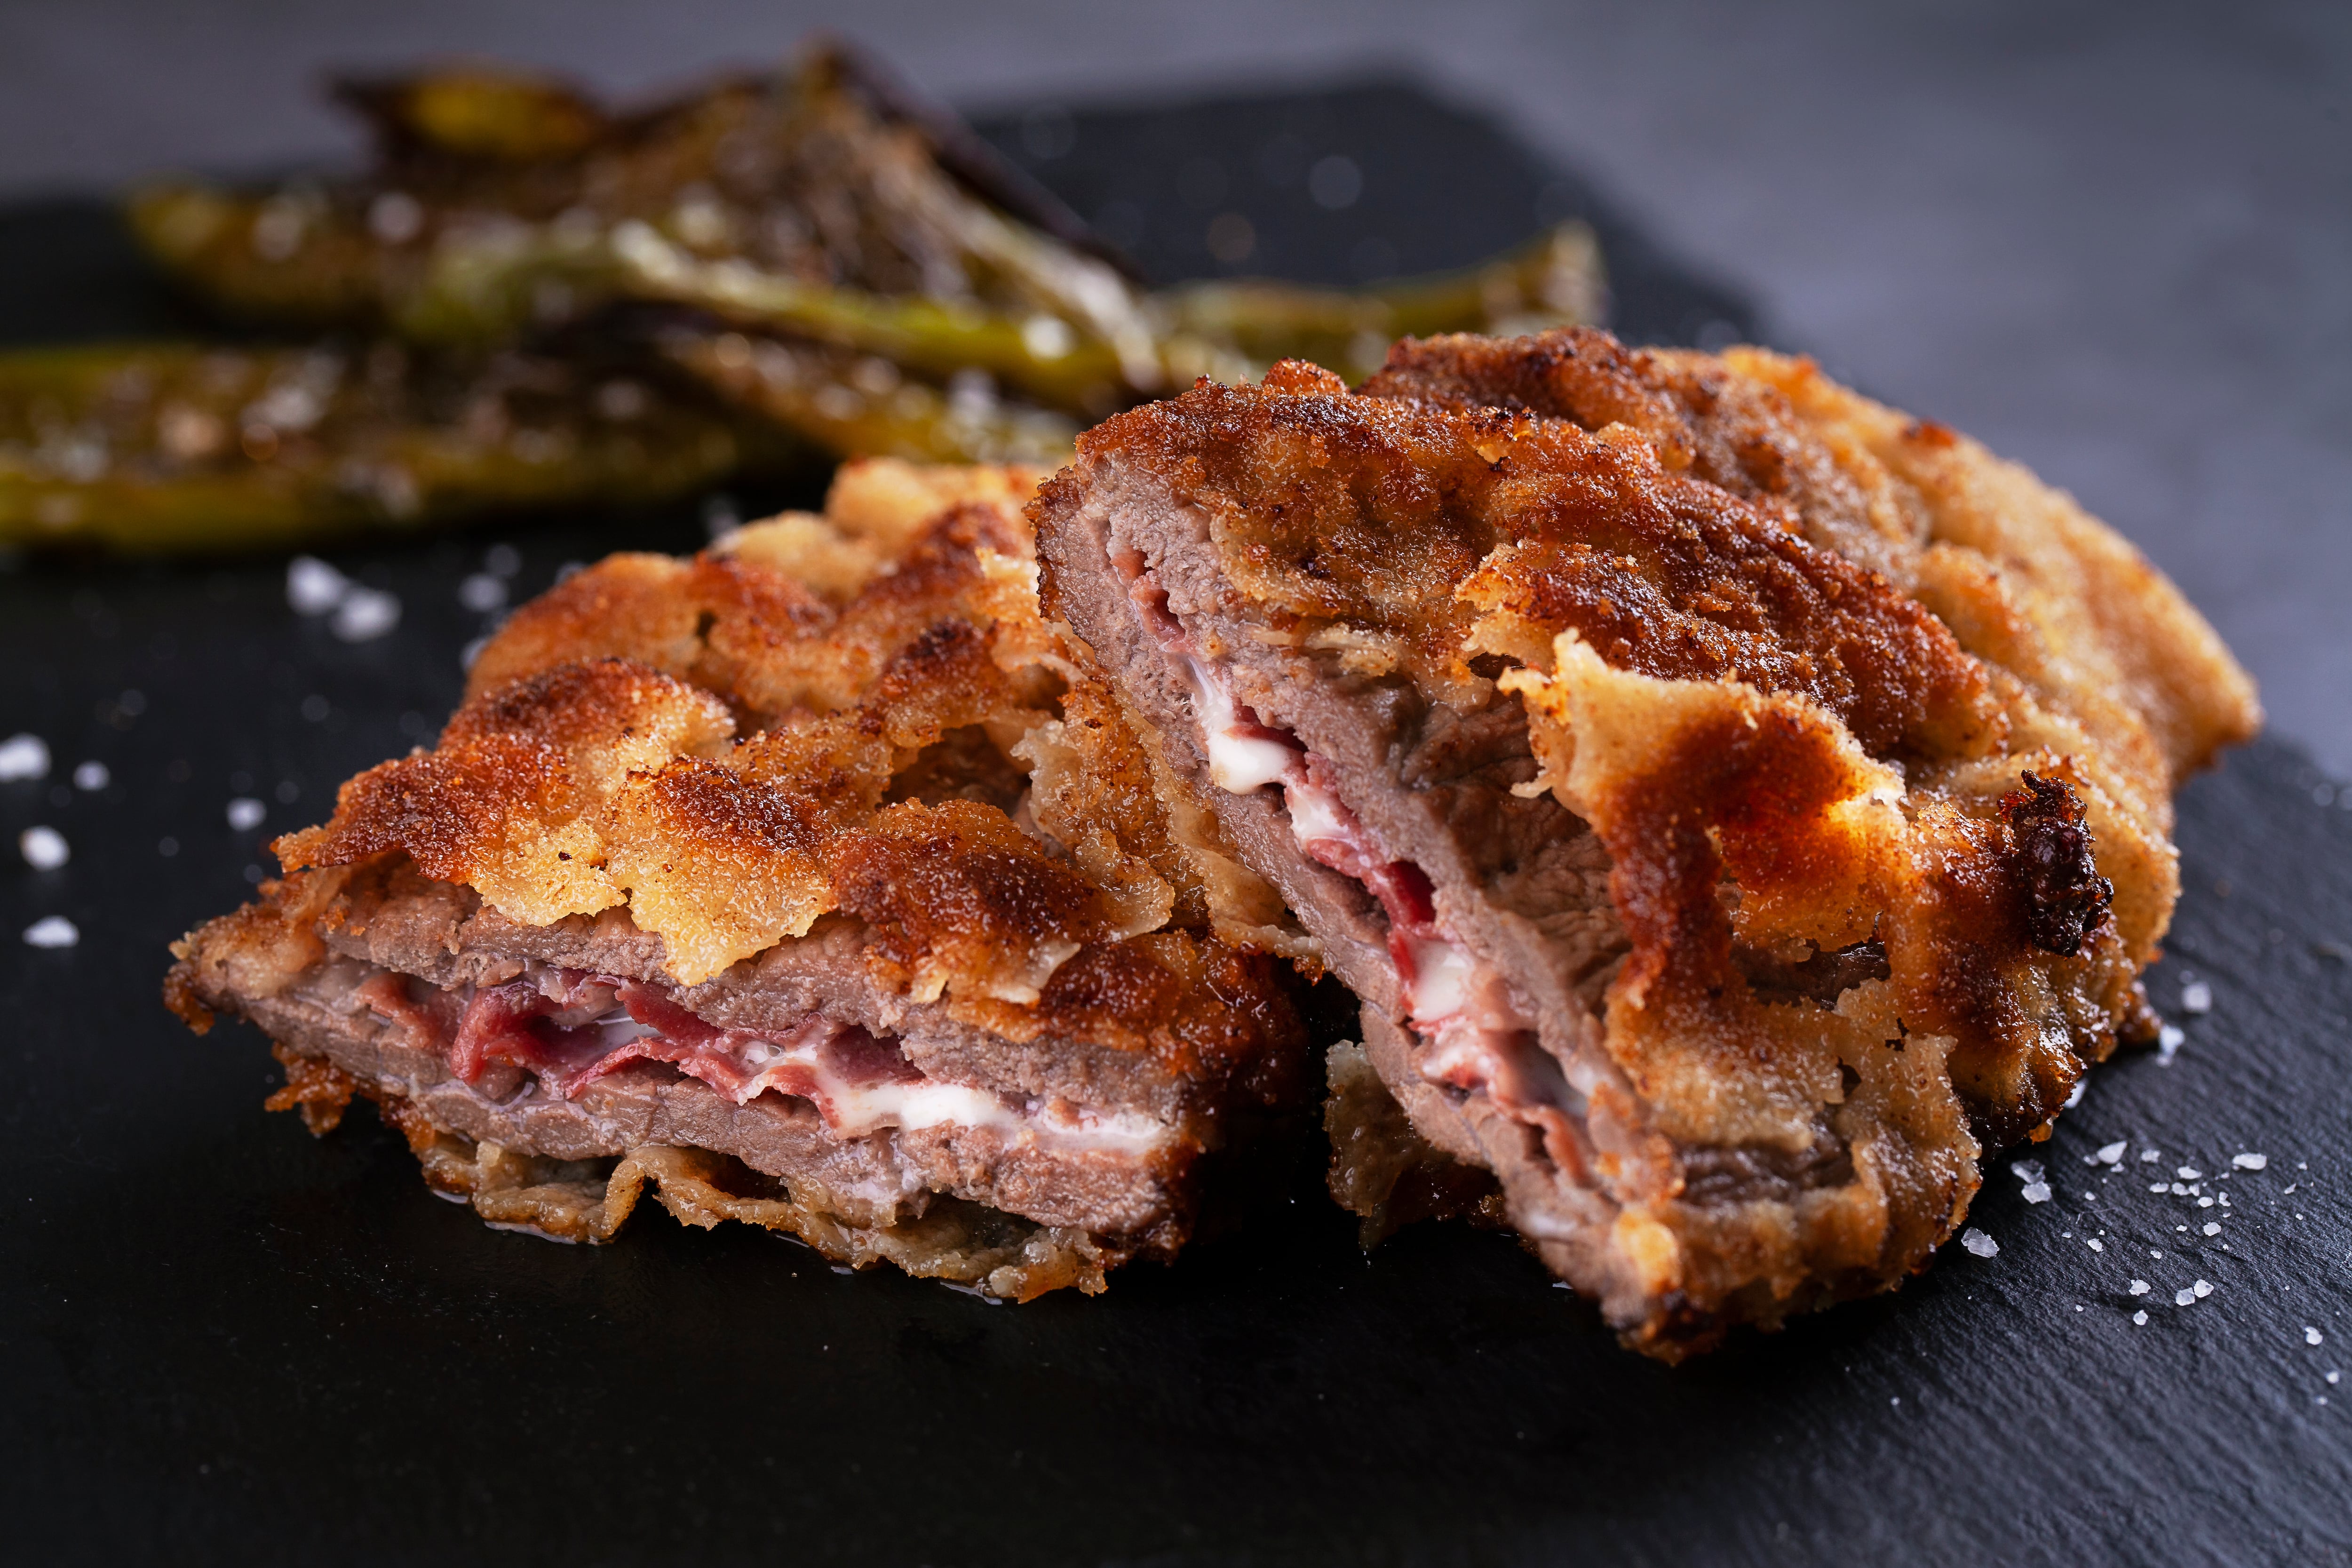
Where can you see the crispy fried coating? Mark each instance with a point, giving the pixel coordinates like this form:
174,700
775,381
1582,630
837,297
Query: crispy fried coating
1879,734
826,715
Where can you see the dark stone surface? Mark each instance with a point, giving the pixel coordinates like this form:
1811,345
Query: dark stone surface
219,1339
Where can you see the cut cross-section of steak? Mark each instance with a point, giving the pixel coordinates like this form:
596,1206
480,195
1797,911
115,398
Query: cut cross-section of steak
1698,770
807,882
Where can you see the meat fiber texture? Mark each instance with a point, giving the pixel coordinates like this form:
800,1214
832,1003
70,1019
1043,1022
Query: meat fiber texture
1740,805
722,860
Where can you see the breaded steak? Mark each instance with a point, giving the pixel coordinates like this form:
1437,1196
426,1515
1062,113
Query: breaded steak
805,881
1739,806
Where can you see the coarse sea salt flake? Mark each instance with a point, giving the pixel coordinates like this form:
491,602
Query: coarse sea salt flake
2027,1170
1979,1243
244,814
2312,1336
365,614
2184,1298
52,930
44,848
2197,997
2139,1287
2035,1192
2169,1041
2096,1244
2189,1173
92,775
2202,1289
2250,1162
2140,1318
2159,1186
24,757
2110,1154
2149,1156
2212,1228
313,587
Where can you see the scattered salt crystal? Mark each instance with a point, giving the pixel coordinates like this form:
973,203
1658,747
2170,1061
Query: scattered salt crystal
2075,1097
2169,1041
2096,1244
2202,1289
2179,1189
2291,1185
2140,1318
2334,1376
2204,1202
44,848
2311,1337
482,593
2196,997
24,757
92,776
313,587
2110,1154
2212,1228
365,614
2184,1298
2159,1186
2148,1156
2189,1173
52,930
2026,1170
2250,1162
2035,1192
2139,1287
245,813
1979,1243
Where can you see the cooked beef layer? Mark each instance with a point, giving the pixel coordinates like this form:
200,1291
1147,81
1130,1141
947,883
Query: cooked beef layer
813,855
1698,769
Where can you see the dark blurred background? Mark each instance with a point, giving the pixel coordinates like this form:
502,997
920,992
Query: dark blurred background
2115,242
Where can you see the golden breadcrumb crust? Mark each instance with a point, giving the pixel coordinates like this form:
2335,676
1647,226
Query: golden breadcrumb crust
1828,683
824,714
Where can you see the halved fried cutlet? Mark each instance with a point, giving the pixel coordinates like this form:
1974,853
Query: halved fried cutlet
1738,806
804,880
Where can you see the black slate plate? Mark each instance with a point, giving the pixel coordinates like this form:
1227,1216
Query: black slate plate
219,1339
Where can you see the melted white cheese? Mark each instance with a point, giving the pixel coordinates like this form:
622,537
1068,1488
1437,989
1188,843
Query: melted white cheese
1238,762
